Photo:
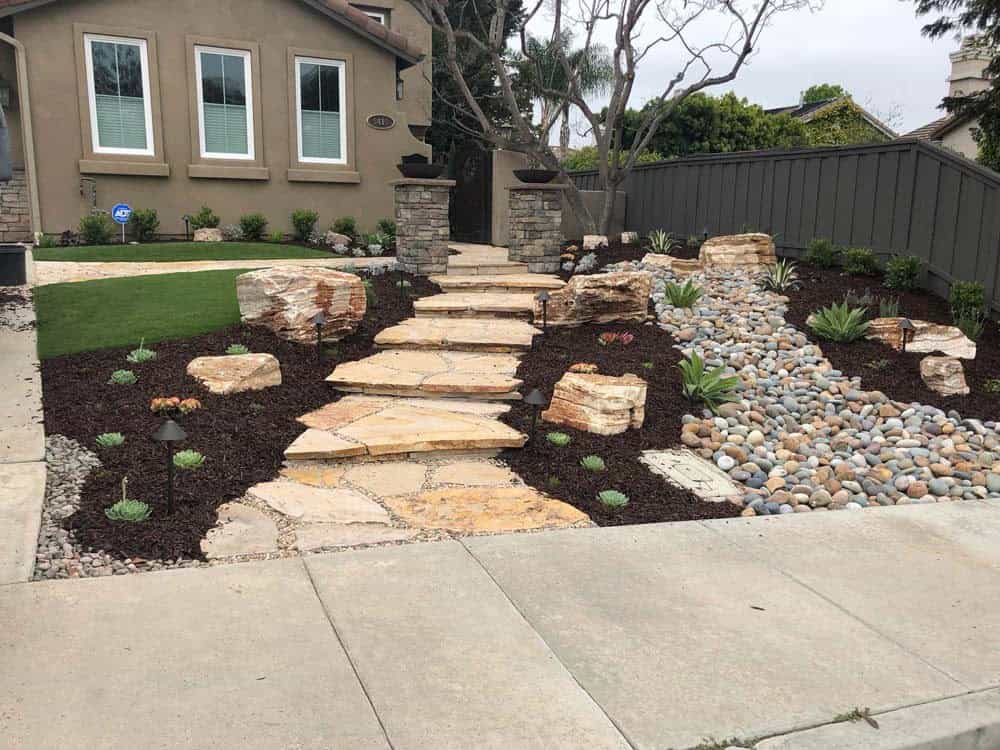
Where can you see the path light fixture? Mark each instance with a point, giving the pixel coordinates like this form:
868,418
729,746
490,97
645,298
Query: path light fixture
906,329
706,234
169,433
544,298
319,320
536,400
187,226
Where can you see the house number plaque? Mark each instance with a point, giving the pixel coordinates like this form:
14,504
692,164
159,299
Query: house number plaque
380,122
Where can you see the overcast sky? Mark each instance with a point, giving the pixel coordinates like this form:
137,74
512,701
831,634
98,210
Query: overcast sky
873,48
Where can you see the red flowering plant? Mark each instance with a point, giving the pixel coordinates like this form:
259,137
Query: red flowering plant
168,406
608,338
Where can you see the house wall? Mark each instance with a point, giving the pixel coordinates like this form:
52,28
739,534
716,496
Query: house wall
177,180
960,139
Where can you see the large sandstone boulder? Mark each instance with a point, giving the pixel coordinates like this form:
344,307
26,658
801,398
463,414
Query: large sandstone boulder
599,298
601,404
739,251
208,234
925,338
285,300
944,375
235,373
680,266
594,241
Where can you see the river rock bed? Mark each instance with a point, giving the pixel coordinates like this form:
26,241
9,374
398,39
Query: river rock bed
805,436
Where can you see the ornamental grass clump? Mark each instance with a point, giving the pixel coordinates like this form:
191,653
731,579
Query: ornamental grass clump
902,272
822,253
840,323
130,511
782,277
558,439
188,459
123,377
709,387
237,349
109,440
140,355
593,463
612,499
682,296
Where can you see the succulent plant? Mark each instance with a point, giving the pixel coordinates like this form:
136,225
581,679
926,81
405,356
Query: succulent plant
237,349
593,463
612,498
781,277
559,439
109,439
711,387
659,241
123,377
840,323
140,355
188,459
131,511
682,296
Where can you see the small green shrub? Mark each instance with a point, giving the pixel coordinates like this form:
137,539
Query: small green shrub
612,498
48,241
682,296
96,229
971,325
371,298
648,365
694,241
992,385
888,307
123,377
860,261
659,241
346,225
144,223
879,364
781,277
840,323
559,439
140,355
822,253
387,227
304,220
253,226
902,272
710,387
553,481
205,219
188,459
237,349
276,237
968,300
131,511
593,463
109,439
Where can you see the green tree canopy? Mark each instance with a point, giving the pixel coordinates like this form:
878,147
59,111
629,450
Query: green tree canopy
821,91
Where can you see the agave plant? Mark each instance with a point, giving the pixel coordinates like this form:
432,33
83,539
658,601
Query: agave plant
682,296
188,459
593,463
660,241
558,439
839,323
710,387
782,277
613,498
123,377
109,439
132,511
140,355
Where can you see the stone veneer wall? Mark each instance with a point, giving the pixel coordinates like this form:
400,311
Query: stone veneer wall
15,215
536,226
422,226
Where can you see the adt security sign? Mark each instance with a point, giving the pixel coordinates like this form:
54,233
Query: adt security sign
121,213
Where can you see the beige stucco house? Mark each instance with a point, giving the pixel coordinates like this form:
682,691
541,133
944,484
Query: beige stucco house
968,76
241,105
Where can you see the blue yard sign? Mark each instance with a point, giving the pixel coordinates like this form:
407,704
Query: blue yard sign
121,213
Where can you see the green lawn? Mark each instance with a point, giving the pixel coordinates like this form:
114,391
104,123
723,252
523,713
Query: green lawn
109,313
159,252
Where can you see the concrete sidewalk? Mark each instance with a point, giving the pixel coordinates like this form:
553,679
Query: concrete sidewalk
645,637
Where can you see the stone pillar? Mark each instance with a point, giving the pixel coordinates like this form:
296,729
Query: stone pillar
536,226
15,214
422,227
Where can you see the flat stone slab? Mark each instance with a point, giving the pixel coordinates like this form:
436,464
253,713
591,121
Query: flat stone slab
430,373
448,662
380,426
241,530
688,470
530,283
22,494
460,334
476,305
235,373
313,536
387,477
243,656
485,509
680,634
471,473
309,504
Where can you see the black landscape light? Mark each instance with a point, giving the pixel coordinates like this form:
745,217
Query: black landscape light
536,400
905,328
187,226
402,278
706,234
544,298
169,433
319,320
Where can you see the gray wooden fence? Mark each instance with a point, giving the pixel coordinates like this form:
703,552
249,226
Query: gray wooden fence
906,196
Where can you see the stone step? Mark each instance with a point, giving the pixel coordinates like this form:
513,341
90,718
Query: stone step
516,283
458,334
431,374
475,305
384,426
459,266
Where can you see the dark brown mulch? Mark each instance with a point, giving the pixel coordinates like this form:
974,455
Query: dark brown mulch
242,435
651,498
897,374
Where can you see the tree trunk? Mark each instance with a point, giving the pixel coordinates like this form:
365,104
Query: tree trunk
564,134
608,209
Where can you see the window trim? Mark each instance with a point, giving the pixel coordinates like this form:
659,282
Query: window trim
376,15
147,96
341,66
247,58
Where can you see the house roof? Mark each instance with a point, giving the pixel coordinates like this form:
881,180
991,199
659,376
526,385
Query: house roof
937,129
812,110
337,10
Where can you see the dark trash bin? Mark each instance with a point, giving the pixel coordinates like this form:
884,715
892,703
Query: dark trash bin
13,265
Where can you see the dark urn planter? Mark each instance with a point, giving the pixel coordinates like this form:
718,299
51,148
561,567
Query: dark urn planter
535,176
420,171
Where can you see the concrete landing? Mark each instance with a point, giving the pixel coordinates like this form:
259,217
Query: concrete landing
528,283
459,335
476,305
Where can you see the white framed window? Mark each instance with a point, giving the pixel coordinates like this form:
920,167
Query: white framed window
225,102
375,15
320,106
121,112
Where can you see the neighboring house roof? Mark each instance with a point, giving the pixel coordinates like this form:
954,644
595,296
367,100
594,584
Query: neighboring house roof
813,110
338,10
935,131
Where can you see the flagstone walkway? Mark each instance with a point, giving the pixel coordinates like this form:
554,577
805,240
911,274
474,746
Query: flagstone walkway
408,453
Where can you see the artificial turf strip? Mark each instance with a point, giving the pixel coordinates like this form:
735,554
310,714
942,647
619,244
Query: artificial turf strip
88,315
163,252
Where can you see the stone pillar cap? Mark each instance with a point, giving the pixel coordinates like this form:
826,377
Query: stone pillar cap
539,186
416,181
